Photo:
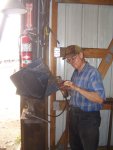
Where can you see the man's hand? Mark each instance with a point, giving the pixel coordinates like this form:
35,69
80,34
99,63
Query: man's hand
70,85
63,89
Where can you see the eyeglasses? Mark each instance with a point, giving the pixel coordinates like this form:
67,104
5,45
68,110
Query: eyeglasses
69,60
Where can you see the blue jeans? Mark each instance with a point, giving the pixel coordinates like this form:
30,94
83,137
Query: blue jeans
83,129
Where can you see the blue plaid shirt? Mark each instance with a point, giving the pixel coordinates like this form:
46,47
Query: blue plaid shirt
89,79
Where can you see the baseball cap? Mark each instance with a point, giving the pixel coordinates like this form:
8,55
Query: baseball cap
70,51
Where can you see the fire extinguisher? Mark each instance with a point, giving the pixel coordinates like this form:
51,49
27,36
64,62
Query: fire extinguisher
26,51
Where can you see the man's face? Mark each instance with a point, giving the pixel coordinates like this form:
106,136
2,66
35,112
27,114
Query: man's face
76,61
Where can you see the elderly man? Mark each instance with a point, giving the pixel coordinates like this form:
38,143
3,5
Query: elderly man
86,97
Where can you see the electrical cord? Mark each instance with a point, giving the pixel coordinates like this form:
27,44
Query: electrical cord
30,115
67,104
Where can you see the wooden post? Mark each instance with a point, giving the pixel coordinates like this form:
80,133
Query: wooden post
53,70
106,61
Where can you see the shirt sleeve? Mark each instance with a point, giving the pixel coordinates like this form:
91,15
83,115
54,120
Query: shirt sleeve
96,84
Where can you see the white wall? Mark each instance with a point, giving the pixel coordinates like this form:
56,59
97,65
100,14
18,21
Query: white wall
88,26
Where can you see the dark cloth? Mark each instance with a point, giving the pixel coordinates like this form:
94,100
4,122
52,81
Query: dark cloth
83,129
35,81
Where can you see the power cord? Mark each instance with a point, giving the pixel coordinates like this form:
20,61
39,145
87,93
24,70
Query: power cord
67,104
29,114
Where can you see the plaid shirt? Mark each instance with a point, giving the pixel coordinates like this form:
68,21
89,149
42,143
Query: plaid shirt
88,79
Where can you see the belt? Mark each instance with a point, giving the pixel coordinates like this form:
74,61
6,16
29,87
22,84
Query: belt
77,109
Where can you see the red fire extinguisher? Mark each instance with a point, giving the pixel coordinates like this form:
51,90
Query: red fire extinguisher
26,50
26,42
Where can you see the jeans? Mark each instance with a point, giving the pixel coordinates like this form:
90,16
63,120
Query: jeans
83,129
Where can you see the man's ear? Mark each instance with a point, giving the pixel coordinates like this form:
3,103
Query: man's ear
81,55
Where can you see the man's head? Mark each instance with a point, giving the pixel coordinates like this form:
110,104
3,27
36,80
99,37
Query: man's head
71,51
74,56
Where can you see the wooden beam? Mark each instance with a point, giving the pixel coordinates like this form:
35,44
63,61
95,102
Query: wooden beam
91,52
95,52
53,70
106,61
62,139
97,2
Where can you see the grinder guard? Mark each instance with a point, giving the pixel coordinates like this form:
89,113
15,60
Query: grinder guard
35,81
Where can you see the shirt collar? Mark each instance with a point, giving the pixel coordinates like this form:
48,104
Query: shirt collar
84,68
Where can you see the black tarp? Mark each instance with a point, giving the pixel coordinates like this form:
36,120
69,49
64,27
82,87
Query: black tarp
35,80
